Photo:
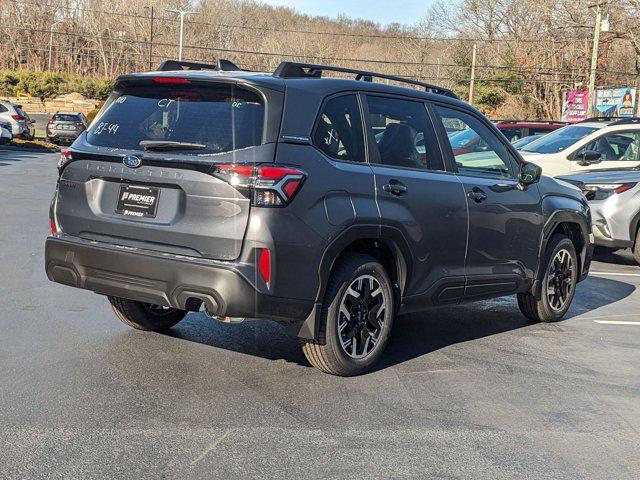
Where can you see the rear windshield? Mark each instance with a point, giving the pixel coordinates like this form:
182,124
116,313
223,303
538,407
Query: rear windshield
223,117
558,140
66,118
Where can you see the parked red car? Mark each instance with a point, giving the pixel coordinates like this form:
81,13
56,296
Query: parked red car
467,141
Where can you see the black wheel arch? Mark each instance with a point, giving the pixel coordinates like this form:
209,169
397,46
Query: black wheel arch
575,223
385,244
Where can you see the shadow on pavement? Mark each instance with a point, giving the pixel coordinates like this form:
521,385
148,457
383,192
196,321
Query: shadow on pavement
413,335
618,257
8,154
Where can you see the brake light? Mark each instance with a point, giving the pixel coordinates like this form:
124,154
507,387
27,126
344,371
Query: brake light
17,117
269,185
54,230
170,80
624,187
50,122
65,157
264,264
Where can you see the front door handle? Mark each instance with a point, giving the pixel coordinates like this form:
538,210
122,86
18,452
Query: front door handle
395,187
477,195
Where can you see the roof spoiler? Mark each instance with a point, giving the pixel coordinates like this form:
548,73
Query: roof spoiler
221,66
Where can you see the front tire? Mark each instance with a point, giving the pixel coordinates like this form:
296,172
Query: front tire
558,283
144,316
636,248
356,318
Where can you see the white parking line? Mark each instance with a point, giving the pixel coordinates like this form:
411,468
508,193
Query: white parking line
616,322
616,274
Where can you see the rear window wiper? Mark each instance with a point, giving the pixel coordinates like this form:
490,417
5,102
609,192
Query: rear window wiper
165,145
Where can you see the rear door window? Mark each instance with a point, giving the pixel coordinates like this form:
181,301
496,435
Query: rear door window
223,117
339,132
403,133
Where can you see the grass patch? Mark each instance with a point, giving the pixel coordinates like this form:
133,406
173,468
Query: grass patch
34,145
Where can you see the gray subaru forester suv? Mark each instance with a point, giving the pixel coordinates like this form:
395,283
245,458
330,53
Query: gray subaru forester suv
327,204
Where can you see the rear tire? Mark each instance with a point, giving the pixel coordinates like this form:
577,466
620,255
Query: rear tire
636,247
558,283
356,318
144,316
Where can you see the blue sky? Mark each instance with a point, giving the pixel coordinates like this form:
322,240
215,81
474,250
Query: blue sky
381,11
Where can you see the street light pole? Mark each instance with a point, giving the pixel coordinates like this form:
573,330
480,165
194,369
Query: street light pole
182,14
472,83
594,57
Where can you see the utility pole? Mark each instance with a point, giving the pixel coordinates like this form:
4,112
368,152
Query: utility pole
51,41
594,58
472,84
182,14
151,38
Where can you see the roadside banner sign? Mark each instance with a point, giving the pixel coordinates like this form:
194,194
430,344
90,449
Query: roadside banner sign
575,105
616,102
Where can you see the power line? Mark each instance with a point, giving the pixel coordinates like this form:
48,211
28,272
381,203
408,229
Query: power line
125,40
312,32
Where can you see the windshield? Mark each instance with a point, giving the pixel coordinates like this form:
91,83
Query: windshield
559,140
222,117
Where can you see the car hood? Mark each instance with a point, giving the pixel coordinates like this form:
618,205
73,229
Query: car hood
604,176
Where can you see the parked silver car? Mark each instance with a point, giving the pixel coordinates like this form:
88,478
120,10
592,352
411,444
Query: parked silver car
614,198
66,126
21,125
5,132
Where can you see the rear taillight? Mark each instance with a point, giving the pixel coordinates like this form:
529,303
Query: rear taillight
17,117
50,122
602,191
264,264
625,187
268,185
54,230
65,157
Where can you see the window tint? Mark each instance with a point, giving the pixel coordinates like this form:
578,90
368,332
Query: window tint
512,134
622,146
3,109
339,132
66,118
403,134
491,159
222,117
540,130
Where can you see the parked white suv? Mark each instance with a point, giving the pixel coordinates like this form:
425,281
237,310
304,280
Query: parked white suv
21,124
593,144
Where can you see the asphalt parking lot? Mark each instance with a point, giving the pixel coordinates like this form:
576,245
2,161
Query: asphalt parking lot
471,391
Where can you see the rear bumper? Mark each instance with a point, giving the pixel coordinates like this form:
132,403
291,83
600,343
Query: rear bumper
171,280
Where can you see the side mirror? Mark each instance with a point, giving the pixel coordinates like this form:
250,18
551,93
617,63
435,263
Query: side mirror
529,173
590,157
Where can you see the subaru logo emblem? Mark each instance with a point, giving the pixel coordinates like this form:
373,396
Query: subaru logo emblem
132,161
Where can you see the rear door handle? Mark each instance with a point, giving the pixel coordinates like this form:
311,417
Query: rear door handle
477,195
395,187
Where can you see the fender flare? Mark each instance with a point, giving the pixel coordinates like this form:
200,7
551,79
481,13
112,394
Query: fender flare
564,215
390,236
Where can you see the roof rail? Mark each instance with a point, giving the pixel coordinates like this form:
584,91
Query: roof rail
310,70
600,119
540,122
221,66
626,121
